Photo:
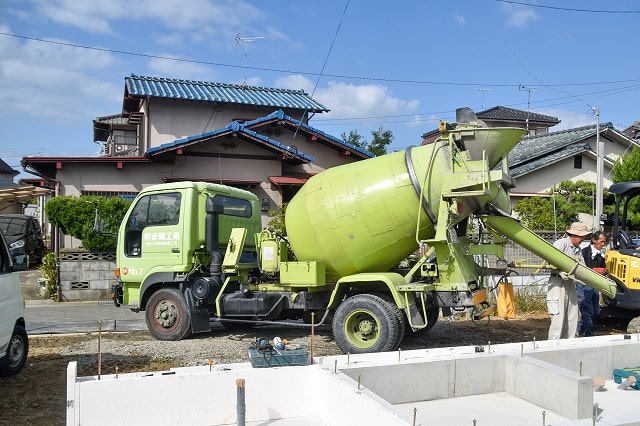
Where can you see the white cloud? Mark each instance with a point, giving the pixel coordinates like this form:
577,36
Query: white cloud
350,100
91,16
180,69
568,119
295,82
460,20
53,82
195,16
519,16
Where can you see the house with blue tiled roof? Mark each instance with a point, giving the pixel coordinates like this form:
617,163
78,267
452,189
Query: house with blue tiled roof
255,138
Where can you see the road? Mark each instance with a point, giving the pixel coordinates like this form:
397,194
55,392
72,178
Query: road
80,317
46,317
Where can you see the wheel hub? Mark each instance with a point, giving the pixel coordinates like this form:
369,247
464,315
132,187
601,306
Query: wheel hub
166,313
16,349
366,327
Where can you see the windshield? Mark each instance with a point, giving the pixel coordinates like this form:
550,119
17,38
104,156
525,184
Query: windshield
12,226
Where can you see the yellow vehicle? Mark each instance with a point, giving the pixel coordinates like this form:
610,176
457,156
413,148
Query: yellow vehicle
623,261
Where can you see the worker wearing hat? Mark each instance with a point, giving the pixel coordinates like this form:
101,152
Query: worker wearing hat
562,298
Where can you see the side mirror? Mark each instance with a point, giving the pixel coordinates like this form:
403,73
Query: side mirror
20,262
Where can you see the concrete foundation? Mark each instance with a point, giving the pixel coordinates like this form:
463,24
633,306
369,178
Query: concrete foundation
535,383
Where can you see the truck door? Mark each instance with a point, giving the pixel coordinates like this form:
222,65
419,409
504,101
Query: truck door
10,298
153,235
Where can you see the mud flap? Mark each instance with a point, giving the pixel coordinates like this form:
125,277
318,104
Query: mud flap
200,322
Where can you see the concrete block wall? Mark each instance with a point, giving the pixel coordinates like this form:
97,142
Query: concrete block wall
87,275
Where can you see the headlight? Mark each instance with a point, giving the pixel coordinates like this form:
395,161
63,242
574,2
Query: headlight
17,244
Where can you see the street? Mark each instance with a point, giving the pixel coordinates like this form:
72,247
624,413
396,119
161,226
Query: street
43,316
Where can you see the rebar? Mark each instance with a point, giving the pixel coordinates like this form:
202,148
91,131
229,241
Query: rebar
241,408
99,348
313,322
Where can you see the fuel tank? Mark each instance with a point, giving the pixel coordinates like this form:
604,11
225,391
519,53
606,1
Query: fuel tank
364,216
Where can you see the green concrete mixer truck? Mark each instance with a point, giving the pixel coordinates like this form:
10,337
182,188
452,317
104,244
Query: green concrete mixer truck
191,253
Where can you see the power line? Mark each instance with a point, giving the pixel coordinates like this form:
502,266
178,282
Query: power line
308,73
568,9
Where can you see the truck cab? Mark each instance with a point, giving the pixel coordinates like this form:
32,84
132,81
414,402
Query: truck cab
170,240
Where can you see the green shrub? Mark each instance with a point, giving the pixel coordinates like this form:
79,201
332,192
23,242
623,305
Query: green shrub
75,216
49,268
527,301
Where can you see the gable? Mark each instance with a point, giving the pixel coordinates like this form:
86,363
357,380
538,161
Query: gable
535,152
5,169
251,131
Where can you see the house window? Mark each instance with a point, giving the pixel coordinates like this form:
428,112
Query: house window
577,161
123,143
126,195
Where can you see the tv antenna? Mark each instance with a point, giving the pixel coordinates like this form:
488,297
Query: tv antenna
528,89
482,90
246,41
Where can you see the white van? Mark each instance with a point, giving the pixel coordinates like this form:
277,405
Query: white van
14,343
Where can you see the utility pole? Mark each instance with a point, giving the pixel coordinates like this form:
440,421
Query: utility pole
599,168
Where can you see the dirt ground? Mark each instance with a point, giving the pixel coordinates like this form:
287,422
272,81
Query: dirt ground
37,396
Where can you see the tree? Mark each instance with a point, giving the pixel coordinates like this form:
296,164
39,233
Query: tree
75,217
571,198
381,138
378,145
627,167
354,138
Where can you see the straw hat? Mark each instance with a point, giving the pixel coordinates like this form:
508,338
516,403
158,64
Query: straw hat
579,229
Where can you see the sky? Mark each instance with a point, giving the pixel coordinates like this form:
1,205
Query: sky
401,66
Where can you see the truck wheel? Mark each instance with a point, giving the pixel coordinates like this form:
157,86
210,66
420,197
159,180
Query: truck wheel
363,324
16,353
402,321
167,315
634,326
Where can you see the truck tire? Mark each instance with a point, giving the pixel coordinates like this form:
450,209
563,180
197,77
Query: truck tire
167,315
634,326
364,323
402,320
16,353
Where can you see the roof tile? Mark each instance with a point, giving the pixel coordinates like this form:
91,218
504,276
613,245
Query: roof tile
142,86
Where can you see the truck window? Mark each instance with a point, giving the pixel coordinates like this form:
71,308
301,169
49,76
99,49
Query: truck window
4,257
151,210
234,206
155,210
